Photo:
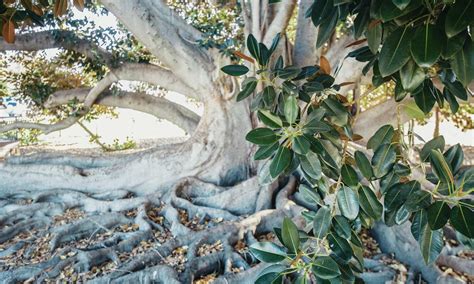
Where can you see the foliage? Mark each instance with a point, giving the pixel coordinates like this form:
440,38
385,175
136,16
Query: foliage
307,130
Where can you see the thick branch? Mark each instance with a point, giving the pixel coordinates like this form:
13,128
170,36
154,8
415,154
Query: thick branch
304,52
159,107
58,39
280,21
168,37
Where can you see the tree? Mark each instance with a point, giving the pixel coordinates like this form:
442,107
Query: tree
308,129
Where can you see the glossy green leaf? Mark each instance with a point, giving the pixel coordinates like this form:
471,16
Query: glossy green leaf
336,110
418,200
300,145
395,51
402,215
266,151
267,252
235,70
374,37
369,202
420,221
383,135
321,10
364,165
327,28
271,274
290,235
461,219
261,136
269,119
454,44
411,76
435,143
252,46
413,111
348,202
454,156
341,226
463,63
325,267
441,168
311,165
322,222
383,160
451,99
438,214
310,195
459,17
431,244
425,98
457,89
426,45
291,109
247,90
398,193
349,175
340,247
281,161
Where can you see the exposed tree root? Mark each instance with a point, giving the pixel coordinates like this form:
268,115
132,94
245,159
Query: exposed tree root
173,236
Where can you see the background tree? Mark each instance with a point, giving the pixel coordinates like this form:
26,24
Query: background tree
213,173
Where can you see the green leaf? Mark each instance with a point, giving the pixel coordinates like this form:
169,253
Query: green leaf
369,203
360,22
322,222
264,54
271,274
235,70
426,45
300,145
454,44
364,165
374,37
425,98
341,226
441,168
459,17
327,28
322,9
281,161
340,247
348,202
266,151
463,63
252,46
457,89
349,175
383,160
413,111
269,119
290,235
420,221
402,215
438,214
431,244
325,267
247,90
291,109
461,219
383,135
433,144
262,136
454,156
411,76
395,51
310,195
398,193
453,104
418,200
267,252
336,110
275,42
311,165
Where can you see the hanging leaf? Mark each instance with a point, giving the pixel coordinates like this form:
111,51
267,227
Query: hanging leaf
420,221
262,136
454,156
461,219
322,222
369,202
459,17
349,175
290,235
438,215
341,226
267,252
348,202
280,162
463,63
431,244
383,135
425,98
441,168
8,31
291,109
327,28
418,200
457,89
340,247
374,36
398,194
271,274
266,151
395,51
383,160
247,90
364,165
426,45
411,76
435,143
235,70
311,165
454,44
300,145
325,267
310,195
